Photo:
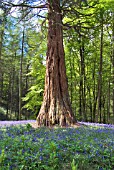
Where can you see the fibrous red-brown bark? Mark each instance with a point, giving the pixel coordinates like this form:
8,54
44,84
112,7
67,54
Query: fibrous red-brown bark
56,107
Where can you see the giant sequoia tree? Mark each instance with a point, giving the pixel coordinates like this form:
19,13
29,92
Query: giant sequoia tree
56,107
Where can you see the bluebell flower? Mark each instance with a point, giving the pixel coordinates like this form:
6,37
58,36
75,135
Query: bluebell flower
41,149
23,151
41,157
100,168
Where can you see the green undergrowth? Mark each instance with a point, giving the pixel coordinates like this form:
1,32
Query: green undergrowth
84,148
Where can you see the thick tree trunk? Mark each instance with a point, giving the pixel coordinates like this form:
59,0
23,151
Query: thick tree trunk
56,106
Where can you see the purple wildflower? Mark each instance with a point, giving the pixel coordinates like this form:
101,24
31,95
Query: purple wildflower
97,124
14,123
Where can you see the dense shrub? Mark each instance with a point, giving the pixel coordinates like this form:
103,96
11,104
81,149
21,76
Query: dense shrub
2,114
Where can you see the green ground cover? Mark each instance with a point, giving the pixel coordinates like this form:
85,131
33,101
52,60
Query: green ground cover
84,148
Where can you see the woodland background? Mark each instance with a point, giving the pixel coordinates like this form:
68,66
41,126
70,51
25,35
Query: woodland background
89,54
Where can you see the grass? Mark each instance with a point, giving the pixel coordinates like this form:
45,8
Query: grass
84,148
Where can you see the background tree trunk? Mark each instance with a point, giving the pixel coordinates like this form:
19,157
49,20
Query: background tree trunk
99,116
2,27
21,76
56,106
113,61
108,102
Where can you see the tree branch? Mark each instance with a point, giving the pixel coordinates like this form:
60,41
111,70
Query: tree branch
25,5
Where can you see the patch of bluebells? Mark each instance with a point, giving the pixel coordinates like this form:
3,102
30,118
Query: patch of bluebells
98,124
14,123
43,148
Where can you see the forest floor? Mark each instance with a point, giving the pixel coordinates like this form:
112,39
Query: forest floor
91,146
34,124
76,125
